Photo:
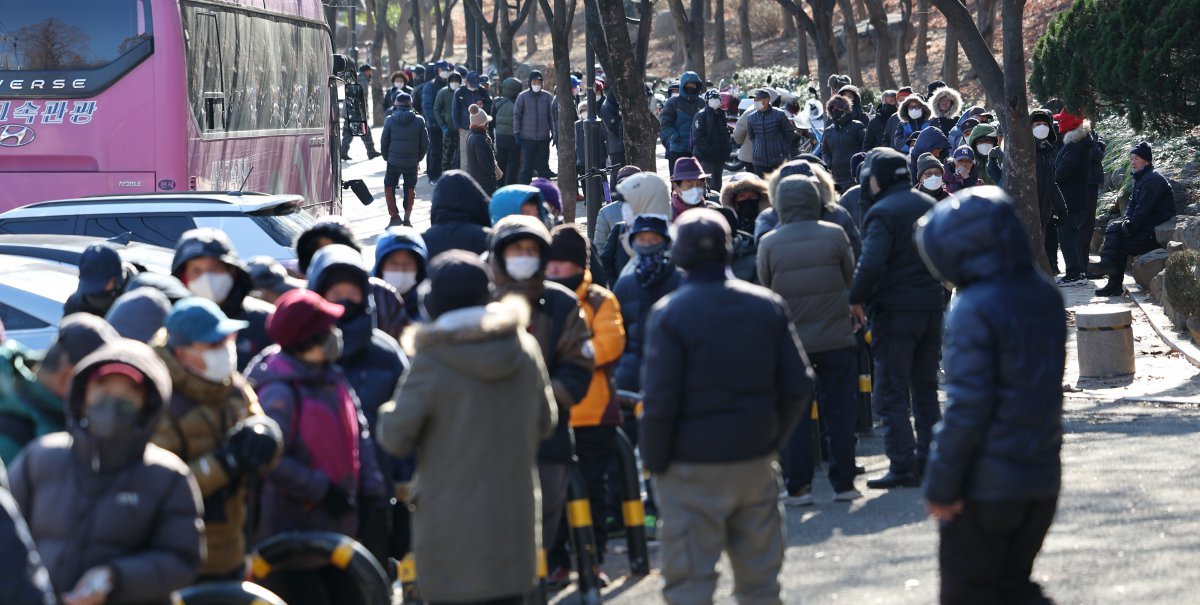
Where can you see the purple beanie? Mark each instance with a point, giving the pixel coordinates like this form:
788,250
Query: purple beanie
549,191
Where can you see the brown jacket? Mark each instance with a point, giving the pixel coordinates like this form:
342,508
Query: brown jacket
473,408
193,424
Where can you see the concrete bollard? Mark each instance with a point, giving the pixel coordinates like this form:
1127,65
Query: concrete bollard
1104,343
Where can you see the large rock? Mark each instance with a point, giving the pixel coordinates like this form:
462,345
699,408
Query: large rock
1193,326
1192,209
1156,288
1165,232
1187,230
1180,193
1181,287
1146,266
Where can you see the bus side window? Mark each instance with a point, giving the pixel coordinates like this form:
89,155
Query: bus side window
211,72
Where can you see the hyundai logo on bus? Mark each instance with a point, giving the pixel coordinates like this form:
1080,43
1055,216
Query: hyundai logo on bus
15,135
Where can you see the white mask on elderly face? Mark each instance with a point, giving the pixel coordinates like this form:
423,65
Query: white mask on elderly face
714,103
536,88
692,196
220,362
984,148
522,268
213,286
932,182
1041,131
915,113
402,281
454,85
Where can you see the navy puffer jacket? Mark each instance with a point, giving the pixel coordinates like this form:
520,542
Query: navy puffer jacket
675,119
635,307
459,216
405,140
1004,353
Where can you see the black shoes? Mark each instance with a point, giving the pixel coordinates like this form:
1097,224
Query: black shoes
1112,289
345,158
893,480
373,154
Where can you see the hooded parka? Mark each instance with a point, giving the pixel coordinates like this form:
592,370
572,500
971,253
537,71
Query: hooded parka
458,217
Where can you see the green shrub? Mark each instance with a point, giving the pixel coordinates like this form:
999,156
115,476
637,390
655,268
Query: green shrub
776,76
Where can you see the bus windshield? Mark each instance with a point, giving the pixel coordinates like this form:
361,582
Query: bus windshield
70,38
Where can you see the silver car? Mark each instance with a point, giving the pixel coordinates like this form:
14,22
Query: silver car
32,294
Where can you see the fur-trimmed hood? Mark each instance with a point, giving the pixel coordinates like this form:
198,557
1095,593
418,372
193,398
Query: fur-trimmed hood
481,341
825,186
1079,134
946,93
741,183
908,103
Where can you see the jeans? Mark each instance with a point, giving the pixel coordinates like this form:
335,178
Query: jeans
837,399
986,553
906,346
716,171
535,159
1068,237
508,157
433,158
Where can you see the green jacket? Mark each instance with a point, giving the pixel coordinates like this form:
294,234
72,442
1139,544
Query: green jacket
441,109
27,409
504,106
980,131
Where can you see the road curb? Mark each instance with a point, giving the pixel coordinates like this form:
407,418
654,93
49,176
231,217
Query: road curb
1162,325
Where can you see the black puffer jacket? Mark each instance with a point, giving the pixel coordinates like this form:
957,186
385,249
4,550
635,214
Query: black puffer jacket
459,217
124,503
1004,351
1073,166
1151,203
890,273
23,578
1050,199
710,136
635,307
841,141
614,125
876,127
725,377
480,160
238,305
405,140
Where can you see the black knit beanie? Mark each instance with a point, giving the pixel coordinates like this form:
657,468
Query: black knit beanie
457,280
567,244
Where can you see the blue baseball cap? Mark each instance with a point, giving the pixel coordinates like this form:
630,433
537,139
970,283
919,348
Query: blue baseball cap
196,319
98,264
964,153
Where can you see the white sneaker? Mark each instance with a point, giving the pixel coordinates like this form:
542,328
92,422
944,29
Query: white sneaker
847,496
803,498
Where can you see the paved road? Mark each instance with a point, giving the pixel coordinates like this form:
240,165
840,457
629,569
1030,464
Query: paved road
1128,527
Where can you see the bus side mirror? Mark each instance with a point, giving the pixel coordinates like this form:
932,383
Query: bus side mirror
360,191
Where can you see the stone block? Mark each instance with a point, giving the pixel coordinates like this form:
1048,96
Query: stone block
1192,210
1165,232
1146,266
1187,230
1173,247
1193,326
1105,341
1156,288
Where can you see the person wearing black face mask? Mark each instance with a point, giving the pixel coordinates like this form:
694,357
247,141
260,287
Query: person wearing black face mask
372,360
104,277
745,194
104,505
842,139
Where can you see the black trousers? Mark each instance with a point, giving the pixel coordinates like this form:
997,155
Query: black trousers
837,402
594,448
1087,224
535,159
450,160
986,553
1118,247
1050,231
906,347
508,157
716,171
617,160
433,159
348,135
671,157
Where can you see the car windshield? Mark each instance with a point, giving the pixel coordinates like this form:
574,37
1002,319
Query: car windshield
285,228
70,35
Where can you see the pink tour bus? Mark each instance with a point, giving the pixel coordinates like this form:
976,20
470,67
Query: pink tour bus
137,96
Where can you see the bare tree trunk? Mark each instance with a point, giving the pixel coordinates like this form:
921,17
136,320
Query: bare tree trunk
1009,86
789,28
376,17
560,19
905,39
922,32
883,44
501,30
414,22
950,63
744,32
722,53
985,19
689,23
644,31
531,33
850,38
820,28
801,49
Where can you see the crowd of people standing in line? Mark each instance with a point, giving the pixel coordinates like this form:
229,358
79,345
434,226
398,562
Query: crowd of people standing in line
436,399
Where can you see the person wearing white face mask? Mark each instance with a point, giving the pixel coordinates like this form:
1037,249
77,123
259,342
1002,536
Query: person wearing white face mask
213,423
1050,200
519,252
770,133
914,115
208,264
710,138
688,187
930,171
401,259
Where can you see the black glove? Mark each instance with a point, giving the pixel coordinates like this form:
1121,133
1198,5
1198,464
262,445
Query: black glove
229,462
253,446
338,501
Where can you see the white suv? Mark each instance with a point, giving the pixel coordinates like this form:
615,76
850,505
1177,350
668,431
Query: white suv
257,223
